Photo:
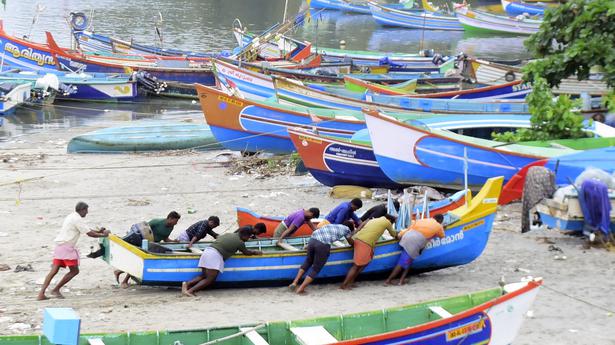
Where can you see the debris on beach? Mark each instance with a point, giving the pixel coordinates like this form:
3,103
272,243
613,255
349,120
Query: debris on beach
262,166
23,268
138,202
4,267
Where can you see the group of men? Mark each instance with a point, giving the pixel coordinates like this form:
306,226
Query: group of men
341,223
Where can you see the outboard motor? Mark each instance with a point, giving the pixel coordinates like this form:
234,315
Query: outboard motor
149,83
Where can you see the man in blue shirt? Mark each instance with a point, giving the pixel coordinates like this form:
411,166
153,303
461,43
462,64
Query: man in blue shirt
343,212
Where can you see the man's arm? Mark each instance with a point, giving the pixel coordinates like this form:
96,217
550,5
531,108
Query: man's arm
170,240
98,233
356,219
287,232
249,252
212,233
192,241
391,230
350,240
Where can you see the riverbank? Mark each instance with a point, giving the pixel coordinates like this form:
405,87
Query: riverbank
123,189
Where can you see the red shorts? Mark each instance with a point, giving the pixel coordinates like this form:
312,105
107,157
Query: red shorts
363,253
65,263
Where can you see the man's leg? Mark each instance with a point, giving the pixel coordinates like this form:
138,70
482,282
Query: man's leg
402,279
357,273
394,273
209,279
72,272
295,282
54,270
124,284
350,277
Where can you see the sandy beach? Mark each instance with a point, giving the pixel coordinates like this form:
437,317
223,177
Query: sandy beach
123,189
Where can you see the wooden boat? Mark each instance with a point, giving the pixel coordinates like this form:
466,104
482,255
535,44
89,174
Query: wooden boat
340,5
516,7
241,124
13,95
413,19
564,211
417,155
84,86
511,90
491,316
466,237
181,69
248,217
290,92
493,73
473,20
145,137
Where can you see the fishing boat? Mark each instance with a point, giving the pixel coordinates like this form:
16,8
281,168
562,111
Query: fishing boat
512,90
474,20
492,316
83,86
247,217
517,7
153,136
421,155
242,124
494,73
88,41
13,95
340,5
413,19
290,92
467,232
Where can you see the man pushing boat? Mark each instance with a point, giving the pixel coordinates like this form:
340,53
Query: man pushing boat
213,257
65,253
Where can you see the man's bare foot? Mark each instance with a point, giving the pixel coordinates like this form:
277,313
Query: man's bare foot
184,287
387,283
403,282
117,274
57,294
344,287
301,292
292,287
187,293
41,297
124,285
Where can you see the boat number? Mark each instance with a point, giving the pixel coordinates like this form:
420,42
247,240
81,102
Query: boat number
230,100
490,201
473,225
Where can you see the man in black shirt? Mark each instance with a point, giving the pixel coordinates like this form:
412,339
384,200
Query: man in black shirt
378,211
199,230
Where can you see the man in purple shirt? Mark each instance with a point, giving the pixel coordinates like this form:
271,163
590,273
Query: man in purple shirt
343,212
293,222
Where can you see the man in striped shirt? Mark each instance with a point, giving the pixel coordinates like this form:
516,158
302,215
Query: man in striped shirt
318,250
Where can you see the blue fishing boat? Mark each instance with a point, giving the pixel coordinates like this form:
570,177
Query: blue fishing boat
516,8
154,136
466,236
340,5
413,19
321,96
420,155
83,86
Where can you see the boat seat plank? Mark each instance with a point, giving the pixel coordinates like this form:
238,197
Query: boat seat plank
313,335
287,246
95,341
254,337
443,313
196,250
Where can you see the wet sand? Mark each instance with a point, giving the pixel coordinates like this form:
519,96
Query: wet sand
123,189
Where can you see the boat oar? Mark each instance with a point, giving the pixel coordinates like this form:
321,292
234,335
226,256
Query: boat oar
232,336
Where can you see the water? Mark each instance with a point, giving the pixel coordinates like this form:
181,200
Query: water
205,25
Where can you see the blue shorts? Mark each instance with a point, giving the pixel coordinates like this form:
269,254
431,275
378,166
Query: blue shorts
404,260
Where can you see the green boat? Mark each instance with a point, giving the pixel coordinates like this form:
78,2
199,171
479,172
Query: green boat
489,316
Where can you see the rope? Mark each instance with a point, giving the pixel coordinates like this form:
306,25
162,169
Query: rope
611,312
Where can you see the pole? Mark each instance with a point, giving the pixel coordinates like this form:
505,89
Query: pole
465,172
285,10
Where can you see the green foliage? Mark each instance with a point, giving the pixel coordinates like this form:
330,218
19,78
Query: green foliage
551,118
573,38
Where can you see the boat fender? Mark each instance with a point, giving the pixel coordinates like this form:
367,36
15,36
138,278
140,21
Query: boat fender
437,59
510,76
79,21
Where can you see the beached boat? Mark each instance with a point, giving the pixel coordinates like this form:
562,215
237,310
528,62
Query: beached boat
473,20
413,19
466,237
511,90
241,124
153,136
248,217
12,95
494,73
418,155
84,86
290,92
516,7
492,316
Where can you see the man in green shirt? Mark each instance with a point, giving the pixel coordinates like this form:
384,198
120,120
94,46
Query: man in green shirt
161,229
364,242
213,257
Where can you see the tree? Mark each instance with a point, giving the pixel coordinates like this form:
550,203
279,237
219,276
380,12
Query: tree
573,38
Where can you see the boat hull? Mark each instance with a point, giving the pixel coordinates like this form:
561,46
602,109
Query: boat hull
413,19
339,5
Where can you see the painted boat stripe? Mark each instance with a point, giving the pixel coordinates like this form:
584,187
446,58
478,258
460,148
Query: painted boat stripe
442,154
